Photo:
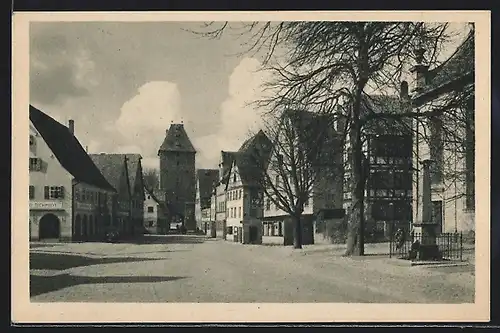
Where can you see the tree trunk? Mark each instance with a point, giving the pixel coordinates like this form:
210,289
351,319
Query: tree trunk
297,230
355,235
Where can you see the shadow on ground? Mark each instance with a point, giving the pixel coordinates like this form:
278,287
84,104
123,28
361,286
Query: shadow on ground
45,284
59,261
167,239
38,245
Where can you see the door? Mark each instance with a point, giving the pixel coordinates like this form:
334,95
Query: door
77,232
49,227
84,227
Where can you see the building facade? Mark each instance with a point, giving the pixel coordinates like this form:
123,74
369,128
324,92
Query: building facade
124,172
206,180
177,175
219,196
387,155
69,197
325,192
155,215
447,138
244,193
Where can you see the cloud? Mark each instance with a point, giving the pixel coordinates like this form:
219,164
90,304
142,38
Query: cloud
238,118
144,118
150,163
59,70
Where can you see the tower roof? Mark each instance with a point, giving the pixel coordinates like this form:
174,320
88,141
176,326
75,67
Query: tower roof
176,139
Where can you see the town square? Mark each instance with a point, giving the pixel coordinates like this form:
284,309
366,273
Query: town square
323,162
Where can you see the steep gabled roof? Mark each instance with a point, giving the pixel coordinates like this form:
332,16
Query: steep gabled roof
177,140
68,150
134,169
111,166
227,158
157,196
206,179
316,132
384,104
252,157
457,70
460,63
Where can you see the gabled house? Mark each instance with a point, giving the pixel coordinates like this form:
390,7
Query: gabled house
219,201
243,183
206,180
322,191
69,198
387,152
124,172
155,212
449,91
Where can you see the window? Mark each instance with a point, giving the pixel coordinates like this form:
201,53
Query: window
241,194
35,164
151,223
84,195
234,178
32,192
77,194
306,203
239,211
151,209
32,140
268,204
54,192
229,230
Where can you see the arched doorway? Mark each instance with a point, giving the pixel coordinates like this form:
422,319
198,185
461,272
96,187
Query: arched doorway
84,227
91,226
49,227
77,233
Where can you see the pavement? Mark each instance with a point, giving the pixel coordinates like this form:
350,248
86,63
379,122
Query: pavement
188,268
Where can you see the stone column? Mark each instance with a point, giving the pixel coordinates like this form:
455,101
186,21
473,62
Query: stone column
425,230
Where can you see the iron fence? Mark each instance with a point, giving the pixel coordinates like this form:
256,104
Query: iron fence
405,245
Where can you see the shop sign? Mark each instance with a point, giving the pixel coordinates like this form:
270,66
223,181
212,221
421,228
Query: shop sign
46,205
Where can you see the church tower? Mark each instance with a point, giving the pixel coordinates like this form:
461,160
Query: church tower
177,175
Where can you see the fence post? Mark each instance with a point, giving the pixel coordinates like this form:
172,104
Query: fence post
390,246
461,246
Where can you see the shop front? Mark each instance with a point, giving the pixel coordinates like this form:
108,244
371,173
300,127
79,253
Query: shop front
49,221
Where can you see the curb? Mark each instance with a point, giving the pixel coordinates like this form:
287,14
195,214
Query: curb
408,263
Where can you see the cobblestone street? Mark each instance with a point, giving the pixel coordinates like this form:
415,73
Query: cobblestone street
196,269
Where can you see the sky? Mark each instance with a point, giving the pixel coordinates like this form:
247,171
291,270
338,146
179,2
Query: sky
124,83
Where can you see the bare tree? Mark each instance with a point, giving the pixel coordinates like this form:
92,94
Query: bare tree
303,154
151,179
332,62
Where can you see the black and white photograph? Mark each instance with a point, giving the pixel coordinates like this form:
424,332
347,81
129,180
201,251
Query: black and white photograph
275,161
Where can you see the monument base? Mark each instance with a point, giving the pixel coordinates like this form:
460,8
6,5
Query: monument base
428,252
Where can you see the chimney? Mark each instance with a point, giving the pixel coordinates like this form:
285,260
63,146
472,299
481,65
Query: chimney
71,126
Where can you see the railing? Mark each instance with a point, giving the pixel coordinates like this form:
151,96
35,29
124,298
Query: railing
404,246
